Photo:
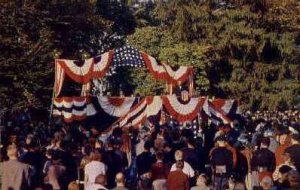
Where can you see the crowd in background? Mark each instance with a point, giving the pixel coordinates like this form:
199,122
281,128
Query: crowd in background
262,151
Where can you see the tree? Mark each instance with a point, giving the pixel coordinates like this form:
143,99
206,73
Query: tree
245,50
33,32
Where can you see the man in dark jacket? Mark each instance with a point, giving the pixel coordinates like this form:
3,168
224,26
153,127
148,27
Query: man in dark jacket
191,155
144,162
222,164
263,159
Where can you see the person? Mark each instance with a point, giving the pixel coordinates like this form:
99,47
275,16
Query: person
100,182
144,162
222,163
187,169
15,175
294,150
73,186
55,172
294,180
284,142
263,162
94,168
235,182
191,155
168,155
177,179
120,181
266,183
33,158
263,159
282,181
117,149
201,183
287,162
114,164
159,172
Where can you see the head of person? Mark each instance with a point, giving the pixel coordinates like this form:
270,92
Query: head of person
120,179
286,157
283,138
73,186
29,138
95,156
12,152
147,146
265,142
295,138
221,141
179,159
294,179
283,173
202,180
101,179
266,183
159,156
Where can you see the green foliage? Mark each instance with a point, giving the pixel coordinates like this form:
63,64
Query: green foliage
33,33
248,51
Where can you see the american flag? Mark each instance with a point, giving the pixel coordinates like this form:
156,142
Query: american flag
127,56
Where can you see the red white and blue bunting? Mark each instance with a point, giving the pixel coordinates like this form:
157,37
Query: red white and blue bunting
133,114
91,68
182,112
165,72
116,106
227,106
154,105
214,110
59,79
98,66
73,108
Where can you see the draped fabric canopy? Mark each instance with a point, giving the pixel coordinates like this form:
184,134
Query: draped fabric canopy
135,111
73,108
116,106
132,111
97,67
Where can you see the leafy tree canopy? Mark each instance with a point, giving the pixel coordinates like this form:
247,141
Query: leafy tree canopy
248,50
34,32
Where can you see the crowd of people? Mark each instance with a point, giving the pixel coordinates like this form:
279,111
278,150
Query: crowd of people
262,151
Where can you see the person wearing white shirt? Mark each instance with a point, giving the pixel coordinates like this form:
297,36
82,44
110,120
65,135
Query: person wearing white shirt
187,169
94,168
